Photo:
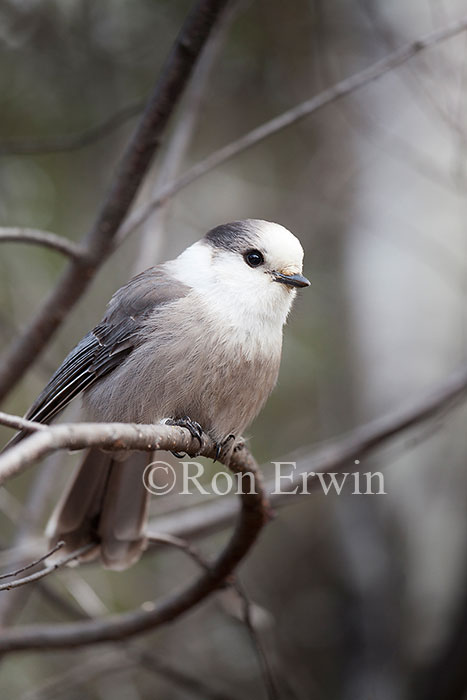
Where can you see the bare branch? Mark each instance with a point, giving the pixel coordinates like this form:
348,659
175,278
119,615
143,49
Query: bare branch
181,544
366,438
122,436
47,570
265,668
426,97
135,163
14,234
78,675
109,436
130,654
18,423
250,521
180,138
130,173
218,513
116,660
27,523
58,546
193,553
73,142
292,116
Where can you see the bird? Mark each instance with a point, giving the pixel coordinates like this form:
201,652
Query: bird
195,341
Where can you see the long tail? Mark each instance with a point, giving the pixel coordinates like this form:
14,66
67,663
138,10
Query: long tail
106,503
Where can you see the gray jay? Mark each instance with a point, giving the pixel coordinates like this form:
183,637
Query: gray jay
195,341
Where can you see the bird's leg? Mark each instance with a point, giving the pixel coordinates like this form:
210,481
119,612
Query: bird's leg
192,426
220,446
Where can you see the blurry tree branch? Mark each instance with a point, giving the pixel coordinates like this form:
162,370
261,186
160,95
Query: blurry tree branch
27,523
114,660
20,423
13,574
198,558
13,234
425,96
218,513
251,519
135,162
123,436
133,436
292,116
128,655
109,436
444,675
130,173
152,232
46,570
72,142
118,436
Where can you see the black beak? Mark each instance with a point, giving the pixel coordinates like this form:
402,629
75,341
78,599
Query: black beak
291,280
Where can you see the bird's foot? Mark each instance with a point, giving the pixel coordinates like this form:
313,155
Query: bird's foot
192,426
221,446
239,445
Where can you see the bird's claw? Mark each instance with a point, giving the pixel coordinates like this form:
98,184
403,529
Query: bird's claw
192,426
220,446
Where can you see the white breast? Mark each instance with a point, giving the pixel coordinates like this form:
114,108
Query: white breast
248,309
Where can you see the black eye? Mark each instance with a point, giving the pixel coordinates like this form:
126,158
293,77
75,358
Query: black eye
254,258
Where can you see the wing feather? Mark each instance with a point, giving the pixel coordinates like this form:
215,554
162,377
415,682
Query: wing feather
109,344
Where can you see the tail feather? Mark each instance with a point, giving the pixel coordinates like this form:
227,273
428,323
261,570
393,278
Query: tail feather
124,512
106,503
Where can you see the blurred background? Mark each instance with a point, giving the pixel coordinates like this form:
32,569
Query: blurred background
354,597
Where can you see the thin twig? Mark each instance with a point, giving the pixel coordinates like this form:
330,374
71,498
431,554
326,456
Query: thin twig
426,97
183,545
129,176
198,558
58,546
15,234
292,116
34,504
29,426
73,142
47,570
265,668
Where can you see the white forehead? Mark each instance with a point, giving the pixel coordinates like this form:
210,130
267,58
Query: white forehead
277,242
223,248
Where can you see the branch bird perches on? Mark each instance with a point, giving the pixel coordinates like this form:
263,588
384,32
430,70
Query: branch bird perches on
252,517
254,507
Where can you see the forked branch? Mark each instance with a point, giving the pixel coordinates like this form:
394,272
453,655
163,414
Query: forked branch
253,515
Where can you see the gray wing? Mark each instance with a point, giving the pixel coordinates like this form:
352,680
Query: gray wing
109,344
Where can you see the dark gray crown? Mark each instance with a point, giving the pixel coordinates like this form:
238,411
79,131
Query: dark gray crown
236,236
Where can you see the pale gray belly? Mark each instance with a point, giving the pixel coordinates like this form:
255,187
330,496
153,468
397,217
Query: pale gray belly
183,374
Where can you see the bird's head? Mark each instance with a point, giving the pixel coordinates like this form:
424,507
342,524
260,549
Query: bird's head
254,249
246,267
